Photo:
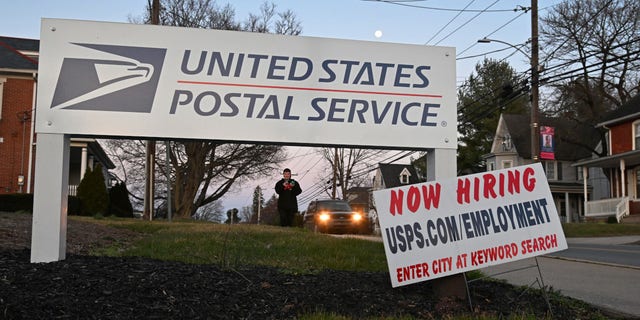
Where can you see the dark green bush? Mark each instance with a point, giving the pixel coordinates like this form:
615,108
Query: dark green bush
16,202
612,219
119,203
93,194
74,206
24,202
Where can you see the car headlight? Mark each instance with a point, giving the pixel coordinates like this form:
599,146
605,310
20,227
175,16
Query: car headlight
356,216
324,217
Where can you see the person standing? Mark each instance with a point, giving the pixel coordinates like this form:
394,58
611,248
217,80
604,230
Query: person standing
287,190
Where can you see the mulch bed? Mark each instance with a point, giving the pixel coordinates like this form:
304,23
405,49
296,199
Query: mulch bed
83,286
92,287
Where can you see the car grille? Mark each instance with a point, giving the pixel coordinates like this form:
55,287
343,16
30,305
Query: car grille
341,220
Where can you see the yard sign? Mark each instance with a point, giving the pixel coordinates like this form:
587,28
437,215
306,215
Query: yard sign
436,229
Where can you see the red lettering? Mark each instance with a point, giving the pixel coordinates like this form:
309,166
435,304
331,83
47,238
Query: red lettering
540,245
545,243
474,258
513,181
487,255
476,189
442,265
529,181
414,271
432,196
463,191
489,184
395,206
413,199
552,241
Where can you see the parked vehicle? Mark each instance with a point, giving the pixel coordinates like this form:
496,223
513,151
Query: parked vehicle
334,216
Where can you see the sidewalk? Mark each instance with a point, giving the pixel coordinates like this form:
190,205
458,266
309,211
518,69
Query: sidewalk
606,240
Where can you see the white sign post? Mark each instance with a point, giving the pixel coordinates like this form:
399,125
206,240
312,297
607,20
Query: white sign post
446,227
122,80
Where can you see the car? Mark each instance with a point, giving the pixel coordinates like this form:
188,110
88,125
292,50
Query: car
334,216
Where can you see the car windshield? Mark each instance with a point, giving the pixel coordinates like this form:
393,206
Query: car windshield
334,206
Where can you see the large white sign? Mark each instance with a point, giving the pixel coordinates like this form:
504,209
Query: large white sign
114,79
436,229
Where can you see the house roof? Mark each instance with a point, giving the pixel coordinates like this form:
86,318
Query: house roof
390,173
573,141
361,195
628,111
95,150
631,159
11,56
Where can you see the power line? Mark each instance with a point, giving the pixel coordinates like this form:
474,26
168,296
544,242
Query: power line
491,33
570,74
403,3
464,24
447,24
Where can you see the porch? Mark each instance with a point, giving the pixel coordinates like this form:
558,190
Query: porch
623,172
619,207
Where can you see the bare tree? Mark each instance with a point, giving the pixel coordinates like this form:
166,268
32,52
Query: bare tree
213,212
129,157
201,172
205,171
592,50
245,214
344,166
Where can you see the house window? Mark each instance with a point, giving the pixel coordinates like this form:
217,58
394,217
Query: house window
579,175
507,144
550,169
636,135
491,166
506,164
404,178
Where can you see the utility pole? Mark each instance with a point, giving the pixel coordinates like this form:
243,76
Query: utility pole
335,173
259,202
147,212
535,84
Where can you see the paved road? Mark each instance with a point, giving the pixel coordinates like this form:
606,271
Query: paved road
611,283
615,254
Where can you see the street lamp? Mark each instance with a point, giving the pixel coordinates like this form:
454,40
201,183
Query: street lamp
487,40
533,58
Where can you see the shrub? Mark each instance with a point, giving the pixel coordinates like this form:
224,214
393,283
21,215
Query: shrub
92,192
24,202
119,203
74,206
16,202
612,219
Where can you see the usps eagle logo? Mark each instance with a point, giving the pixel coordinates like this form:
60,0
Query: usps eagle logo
110,78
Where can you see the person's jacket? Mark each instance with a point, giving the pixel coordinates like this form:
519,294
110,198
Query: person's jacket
287,192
